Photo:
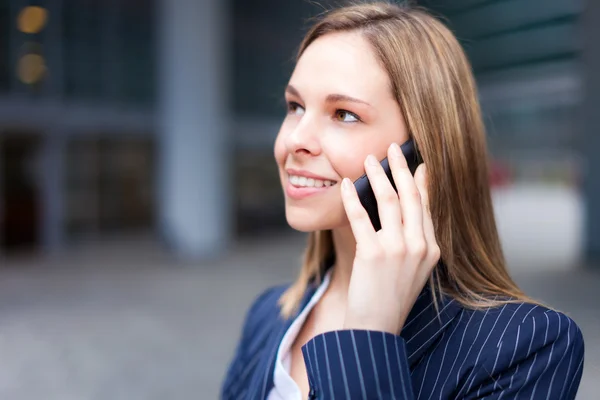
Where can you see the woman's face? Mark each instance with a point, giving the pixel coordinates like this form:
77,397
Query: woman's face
340,109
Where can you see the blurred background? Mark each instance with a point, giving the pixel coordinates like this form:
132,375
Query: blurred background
140,208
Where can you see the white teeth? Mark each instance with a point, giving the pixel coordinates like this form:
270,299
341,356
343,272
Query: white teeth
302,181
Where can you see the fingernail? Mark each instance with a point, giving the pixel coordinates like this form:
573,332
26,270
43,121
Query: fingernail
346,183
396,152
422,173
371,160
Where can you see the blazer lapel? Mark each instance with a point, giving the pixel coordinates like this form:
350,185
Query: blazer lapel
262,381
424,324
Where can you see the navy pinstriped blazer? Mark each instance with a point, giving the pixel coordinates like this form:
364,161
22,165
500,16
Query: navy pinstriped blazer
517,351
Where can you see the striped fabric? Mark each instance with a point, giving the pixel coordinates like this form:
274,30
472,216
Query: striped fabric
517,351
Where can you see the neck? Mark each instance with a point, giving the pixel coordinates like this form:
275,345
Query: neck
345,249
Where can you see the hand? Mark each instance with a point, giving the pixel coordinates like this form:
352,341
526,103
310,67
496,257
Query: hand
391,266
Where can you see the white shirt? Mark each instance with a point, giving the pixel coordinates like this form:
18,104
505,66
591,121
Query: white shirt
284,387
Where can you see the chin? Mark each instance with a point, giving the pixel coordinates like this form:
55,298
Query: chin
308,220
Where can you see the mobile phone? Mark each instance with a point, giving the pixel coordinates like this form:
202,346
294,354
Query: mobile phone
363,186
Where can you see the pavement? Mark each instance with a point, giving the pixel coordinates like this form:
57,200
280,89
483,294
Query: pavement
124,320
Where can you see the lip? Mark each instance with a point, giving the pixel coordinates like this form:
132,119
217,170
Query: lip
299,193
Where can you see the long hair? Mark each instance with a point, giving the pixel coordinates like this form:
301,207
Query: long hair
432,81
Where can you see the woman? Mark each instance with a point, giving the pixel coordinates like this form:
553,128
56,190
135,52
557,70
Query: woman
423,308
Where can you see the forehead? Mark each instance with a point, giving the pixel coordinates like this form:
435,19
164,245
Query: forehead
341,62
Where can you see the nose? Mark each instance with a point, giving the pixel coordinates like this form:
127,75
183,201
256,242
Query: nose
303,140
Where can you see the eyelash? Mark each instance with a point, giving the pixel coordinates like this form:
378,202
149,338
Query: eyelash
292,105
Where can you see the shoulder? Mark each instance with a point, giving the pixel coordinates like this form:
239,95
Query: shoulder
536,329
521,345
263,309
522,322
266,302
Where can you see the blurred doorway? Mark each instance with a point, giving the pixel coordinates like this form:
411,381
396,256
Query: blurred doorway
20,224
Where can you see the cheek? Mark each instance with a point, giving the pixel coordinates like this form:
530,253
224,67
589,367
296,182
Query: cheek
347,158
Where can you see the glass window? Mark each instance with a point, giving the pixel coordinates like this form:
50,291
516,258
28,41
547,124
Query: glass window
136,29
82,48
266,35
108,50
512,33
5,27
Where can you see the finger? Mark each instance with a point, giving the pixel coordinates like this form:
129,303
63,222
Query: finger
433,250
363,230
409,195
388,204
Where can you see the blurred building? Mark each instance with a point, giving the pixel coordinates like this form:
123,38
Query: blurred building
158,116
77,127
537,63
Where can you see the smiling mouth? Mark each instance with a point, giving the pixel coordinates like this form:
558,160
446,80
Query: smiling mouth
302,181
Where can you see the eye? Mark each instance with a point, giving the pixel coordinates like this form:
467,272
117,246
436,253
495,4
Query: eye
346,116
294,108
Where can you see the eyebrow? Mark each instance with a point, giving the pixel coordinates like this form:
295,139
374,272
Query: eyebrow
332,98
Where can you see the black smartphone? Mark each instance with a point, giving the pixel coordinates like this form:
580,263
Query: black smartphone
363,186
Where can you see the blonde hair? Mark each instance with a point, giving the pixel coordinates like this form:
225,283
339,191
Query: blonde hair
432,82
